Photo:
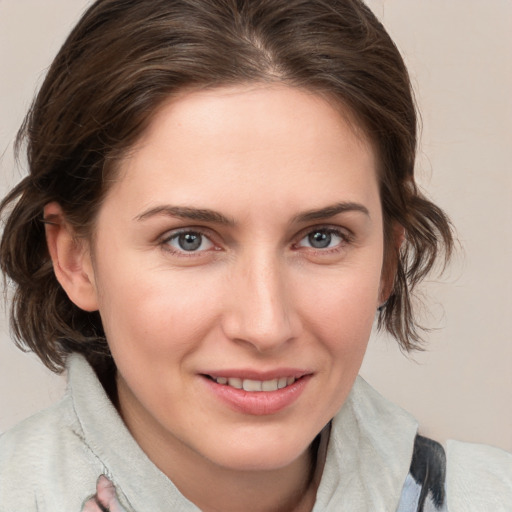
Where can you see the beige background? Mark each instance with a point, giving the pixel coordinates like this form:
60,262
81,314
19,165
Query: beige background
459,53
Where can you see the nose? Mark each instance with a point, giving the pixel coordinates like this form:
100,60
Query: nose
261,313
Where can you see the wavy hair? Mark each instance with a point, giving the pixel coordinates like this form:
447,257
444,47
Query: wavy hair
125,58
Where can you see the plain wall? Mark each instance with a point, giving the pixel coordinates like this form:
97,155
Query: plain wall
459,54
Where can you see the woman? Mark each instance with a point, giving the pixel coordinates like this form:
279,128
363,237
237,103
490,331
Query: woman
221,196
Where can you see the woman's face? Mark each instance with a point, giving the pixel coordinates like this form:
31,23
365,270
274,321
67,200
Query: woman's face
241,246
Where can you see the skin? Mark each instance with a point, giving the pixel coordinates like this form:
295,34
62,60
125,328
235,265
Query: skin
255,295
105,496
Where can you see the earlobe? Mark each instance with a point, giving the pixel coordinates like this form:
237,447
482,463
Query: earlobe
71,259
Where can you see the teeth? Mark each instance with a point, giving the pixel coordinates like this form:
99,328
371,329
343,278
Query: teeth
256,385
251,385
281,383
269,385
235,383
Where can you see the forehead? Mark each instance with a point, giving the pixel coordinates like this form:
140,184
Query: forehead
255,109
273,140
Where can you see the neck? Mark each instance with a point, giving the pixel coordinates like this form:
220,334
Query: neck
213,488
217,489
285,490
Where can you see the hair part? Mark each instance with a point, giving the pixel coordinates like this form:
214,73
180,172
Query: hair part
126,57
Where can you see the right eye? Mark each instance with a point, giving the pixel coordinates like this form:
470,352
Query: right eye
322,239
188,242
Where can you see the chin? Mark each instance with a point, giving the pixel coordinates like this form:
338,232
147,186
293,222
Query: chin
263,454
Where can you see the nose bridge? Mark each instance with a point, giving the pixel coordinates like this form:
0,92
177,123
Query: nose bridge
261,312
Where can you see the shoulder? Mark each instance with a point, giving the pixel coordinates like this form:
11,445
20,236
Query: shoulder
479,478
38,457
25,445
465,478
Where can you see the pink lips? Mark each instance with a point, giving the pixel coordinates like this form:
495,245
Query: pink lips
258,403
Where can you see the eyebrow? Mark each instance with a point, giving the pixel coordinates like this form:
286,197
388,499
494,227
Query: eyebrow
206,215
183,212
331,211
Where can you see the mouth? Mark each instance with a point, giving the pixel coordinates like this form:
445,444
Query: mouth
252,385
244,392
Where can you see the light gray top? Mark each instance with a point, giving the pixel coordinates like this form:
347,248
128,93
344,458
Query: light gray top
51,461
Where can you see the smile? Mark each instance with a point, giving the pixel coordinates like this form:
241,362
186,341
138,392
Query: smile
255,385
270,394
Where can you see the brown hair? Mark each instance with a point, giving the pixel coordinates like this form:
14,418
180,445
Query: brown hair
125,57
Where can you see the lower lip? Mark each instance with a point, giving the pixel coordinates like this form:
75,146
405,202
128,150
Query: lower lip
258,403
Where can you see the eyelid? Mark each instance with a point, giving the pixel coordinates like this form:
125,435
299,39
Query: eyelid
164,240
347,236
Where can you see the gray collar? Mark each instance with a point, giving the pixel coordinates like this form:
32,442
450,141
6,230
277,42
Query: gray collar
368,455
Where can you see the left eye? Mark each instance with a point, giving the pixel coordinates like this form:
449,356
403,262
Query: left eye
322,239
189,241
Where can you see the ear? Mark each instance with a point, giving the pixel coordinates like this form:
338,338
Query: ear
71,259
391,256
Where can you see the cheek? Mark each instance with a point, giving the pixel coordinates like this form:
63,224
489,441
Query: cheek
145,312
343,305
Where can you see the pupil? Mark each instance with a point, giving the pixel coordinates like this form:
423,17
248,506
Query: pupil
320,239
189,241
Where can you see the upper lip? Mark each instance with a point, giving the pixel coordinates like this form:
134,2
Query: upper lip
258,374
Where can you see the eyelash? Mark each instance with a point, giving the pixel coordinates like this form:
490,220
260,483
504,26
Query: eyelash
174,235
346,238
344,235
